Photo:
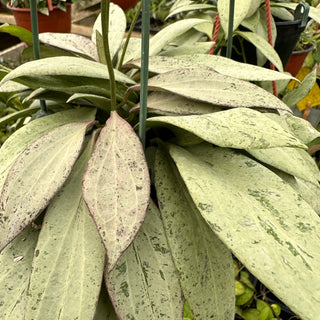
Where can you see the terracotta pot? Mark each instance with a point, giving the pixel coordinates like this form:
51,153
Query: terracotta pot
296,60
125,4
56,21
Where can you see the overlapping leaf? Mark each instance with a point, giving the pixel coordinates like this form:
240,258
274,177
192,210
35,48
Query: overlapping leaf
206,85
226,66
26,135
239,128
36,175
204,263
116,186
15,266
69,258
144,284
268,226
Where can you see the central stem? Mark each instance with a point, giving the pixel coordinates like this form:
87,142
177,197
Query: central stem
105,9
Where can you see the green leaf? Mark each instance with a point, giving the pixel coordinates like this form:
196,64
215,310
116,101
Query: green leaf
36,176
117,28
144,284
116,186
226,66
239,128
194,48
29,133
105,310
260,218
69,258
204,263
71,42
263,46
23,34
204,84
241,9
301,91
15,266
294,161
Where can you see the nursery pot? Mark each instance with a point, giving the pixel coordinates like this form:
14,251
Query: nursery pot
56,21
125,4
288,34
296,60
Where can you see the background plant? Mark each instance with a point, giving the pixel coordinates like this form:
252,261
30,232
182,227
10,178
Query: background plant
229,173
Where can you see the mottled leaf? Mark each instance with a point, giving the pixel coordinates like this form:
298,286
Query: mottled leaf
204,263
172,31
71,42
263,46
179,7
226,66
117,28
241,9
116,186
29,133
164,103
69,258
206,85
302,90
294,161
91,99
15,266
144,284
267,225
239,128
36,176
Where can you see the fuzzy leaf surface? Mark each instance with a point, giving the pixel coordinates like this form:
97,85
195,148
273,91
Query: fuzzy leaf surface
15,266
239,128
206,85
144,284
116,186
204,263
69,258
36,176
266,224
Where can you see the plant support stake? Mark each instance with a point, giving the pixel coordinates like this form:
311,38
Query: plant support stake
145,34
35,40
230,28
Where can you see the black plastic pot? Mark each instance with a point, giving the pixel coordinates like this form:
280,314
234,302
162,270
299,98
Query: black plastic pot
288,34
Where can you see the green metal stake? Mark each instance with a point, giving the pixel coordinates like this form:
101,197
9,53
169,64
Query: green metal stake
230,28
145,34
35,40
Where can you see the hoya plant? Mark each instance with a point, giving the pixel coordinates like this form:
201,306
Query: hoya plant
93,225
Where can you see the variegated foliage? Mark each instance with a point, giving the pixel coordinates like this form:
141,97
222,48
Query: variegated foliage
82,236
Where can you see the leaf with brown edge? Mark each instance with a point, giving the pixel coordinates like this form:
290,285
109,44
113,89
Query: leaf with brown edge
116,186
36,176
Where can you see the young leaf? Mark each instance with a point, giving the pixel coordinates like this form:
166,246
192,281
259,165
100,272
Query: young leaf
69,258
260,218
204,263
117,28
240,128
116,186
36,176
15,266
206,85
144,284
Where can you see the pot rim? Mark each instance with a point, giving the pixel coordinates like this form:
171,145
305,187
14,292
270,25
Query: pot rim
305,50
28,9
